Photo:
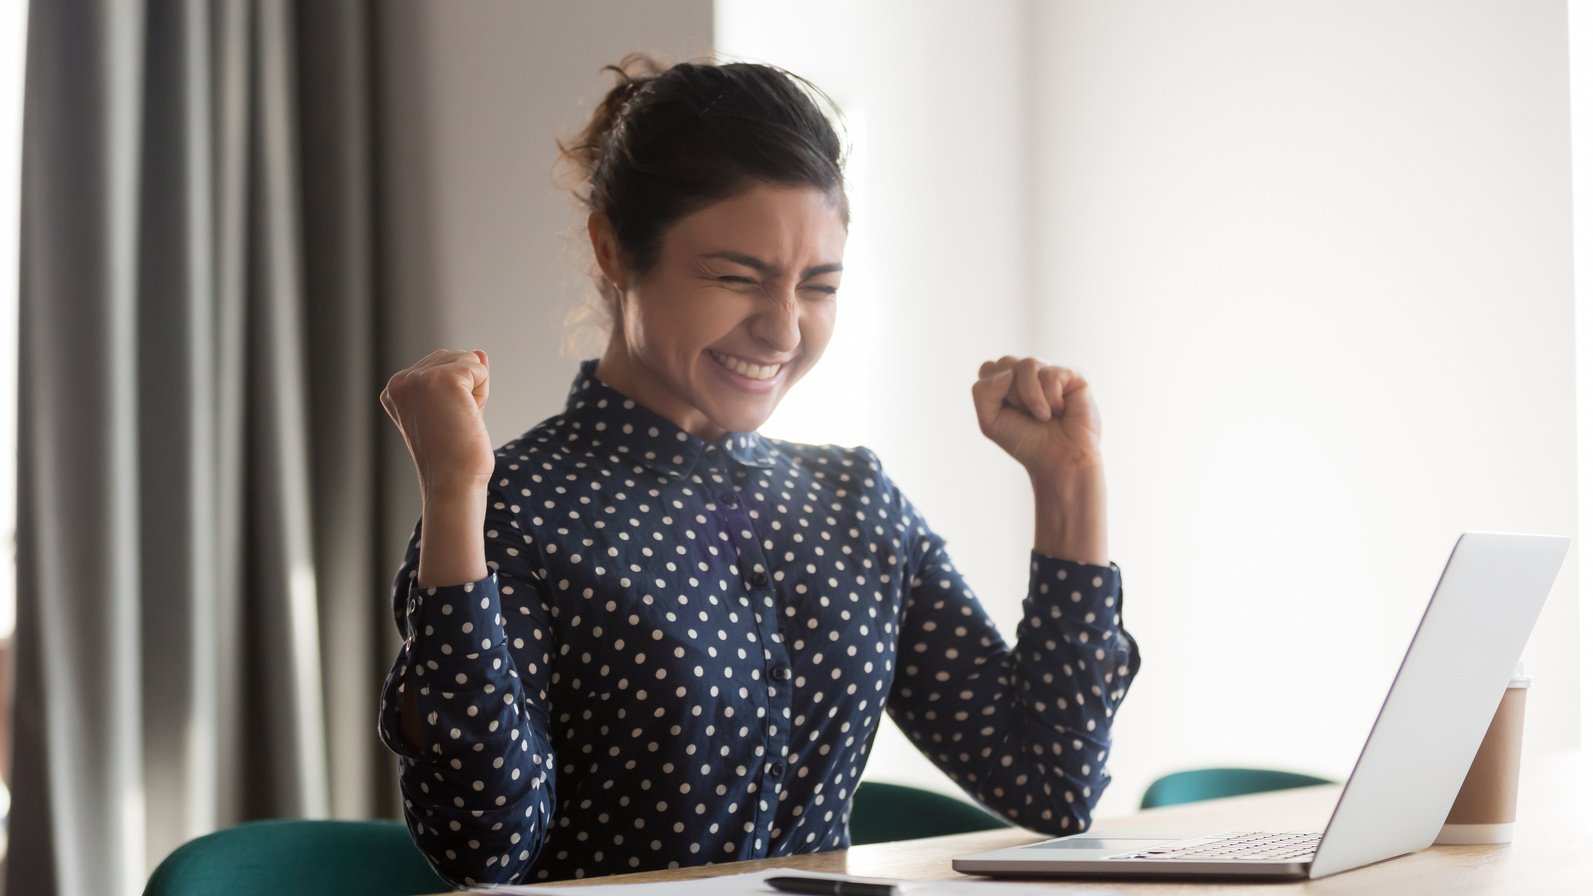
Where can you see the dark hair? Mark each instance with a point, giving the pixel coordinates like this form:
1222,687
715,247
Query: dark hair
667,142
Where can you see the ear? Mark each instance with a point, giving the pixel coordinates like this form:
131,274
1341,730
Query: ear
605,248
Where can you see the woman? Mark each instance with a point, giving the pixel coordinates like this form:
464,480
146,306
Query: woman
642,635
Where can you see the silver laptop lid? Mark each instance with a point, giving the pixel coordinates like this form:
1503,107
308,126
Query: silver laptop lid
1442,700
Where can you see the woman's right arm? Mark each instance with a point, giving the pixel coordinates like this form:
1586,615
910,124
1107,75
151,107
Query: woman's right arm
464,706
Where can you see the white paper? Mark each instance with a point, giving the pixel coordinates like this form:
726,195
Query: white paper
751,884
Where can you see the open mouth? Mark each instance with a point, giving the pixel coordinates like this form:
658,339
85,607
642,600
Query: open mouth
749,370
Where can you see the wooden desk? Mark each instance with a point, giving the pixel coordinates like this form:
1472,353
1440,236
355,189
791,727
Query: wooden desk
1552,852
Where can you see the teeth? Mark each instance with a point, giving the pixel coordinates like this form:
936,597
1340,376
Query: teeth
750,371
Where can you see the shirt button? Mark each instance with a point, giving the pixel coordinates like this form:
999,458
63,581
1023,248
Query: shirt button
780,673
758,579
776,769
730,500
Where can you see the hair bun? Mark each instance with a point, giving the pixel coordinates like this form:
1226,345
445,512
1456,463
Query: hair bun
632,73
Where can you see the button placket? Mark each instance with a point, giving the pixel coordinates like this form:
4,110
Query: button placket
776,687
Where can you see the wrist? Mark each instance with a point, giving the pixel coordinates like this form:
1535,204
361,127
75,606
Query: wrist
452,544
1068,482
454,493
1070,515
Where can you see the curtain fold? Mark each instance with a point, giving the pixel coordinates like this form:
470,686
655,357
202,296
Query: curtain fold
200,615
78,562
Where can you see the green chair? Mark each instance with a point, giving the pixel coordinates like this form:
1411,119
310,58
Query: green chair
883,812
304,858
1213,783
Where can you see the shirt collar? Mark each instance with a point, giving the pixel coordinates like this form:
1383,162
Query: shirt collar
608,422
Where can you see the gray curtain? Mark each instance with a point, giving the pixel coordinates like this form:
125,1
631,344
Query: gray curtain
202,573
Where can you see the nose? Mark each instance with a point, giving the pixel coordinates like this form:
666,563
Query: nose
779,323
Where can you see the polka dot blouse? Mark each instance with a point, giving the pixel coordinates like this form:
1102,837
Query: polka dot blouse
683,649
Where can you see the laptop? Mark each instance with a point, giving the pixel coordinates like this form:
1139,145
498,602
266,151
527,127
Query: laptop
1421,746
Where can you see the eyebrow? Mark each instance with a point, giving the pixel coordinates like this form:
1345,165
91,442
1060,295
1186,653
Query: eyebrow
763,267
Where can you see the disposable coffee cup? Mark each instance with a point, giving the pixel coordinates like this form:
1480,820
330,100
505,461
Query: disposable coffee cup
1485,809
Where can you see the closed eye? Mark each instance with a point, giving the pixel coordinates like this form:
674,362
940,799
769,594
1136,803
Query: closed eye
731,278
826,290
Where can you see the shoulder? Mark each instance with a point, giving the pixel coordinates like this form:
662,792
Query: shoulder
855,466
847,476
525,460
855,490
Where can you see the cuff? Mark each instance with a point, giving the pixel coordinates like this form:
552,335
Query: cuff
454,621
1083,591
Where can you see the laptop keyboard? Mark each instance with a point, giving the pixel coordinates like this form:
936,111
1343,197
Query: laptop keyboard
1244,847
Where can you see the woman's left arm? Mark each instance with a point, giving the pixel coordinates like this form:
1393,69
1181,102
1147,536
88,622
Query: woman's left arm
1024,729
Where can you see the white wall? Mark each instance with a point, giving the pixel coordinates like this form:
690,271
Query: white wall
1315,258
1580,25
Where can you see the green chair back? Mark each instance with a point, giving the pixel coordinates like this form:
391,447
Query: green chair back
883,812
1213,783
302,858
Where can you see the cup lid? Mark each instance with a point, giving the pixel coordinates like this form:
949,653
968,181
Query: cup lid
1520,678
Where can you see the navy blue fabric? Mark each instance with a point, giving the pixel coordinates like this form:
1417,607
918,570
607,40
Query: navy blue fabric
684,648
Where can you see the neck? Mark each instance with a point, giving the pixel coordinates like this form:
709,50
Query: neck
622,372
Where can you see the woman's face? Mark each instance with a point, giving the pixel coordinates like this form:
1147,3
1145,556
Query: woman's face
739,305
